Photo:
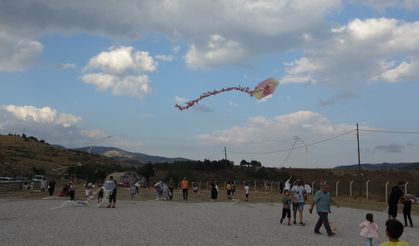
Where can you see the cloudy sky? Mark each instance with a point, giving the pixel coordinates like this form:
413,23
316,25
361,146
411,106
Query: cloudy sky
77,72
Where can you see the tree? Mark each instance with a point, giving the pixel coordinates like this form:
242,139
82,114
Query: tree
244,163
254,163
147,171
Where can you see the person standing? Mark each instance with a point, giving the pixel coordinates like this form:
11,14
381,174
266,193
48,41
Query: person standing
71,191
298,194
246,192
323,201
228,188
111,186
394,198
214,191
184,185
407,209
133,191
51,187
171,186
286,209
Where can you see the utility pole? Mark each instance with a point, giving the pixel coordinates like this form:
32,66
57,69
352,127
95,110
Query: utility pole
225,153
359,162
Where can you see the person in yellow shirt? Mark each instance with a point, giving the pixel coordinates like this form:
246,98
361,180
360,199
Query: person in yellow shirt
184,185
394,230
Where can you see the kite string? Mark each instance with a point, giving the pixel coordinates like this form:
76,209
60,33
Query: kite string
212,93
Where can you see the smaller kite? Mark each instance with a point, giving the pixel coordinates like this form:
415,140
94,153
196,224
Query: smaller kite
263,89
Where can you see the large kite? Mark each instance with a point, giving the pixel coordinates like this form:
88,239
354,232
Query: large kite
263,89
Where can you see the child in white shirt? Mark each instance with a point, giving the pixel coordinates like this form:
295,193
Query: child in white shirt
369,229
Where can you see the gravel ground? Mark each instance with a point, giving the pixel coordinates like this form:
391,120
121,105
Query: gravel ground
57,222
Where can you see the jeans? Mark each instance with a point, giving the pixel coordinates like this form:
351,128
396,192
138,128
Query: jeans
323,220
369,241
185,194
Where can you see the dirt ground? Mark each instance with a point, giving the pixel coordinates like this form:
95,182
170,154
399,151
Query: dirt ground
203,195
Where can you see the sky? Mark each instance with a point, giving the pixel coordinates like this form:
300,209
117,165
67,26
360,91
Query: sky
109,73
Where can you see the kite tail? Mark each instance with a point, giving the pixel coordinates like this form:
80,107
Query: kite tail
212,93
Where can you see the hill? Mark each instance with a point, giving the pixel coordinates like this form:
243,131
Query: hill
129,157
383,166
25,156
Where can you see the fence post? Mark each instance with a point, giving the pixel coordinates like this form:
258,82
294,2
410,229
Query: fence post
272,183
386,194
337,189
366,187
350,188
255,185
312,187
405,188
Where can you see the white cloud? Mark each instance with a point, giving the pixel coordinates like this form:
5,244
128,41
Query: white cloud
385,4
242,24
121,70
165,58
218,51
404,71
180,100
100,80
122,59
57,128
136,86
301,71
257,129
44,115
359,53
17,53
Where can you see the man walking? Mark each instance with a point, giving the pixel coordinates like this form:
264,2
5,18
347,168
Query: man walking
184,185
323,200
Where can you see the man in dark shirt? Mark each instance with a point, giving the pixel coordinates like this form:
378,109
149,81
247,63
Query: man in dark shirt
394,198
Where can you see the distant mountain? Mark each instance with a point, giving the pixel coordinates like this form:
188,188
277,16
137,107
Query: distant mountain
383,166
128,157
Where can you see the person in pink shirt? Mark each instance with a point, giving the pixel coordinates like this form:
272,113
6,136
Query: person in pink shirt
369,229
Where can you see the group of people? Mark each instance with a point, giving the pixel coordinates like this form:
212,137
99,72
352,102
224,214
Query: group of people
163,191
296,196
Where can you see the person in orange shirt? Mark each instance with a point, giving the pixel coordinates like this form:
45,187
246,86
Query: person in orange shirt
184,184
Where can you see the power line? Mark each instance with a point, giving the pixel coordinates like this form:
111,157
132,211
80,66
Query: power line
385,131
294,147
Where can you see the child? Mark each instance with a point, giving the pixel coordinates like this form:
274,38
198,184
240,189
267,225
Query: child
100,196
394,229
133,191
407,209
286,209
369,229
246,192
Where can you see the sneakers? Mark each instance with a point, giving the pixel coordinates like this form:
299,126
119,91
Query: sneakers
108,206
331,234
317,232
302,223
281,220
